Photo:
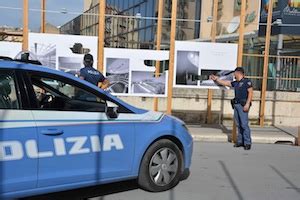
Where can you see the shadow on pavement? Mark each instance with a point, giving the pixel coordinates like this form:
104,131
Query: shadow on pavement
89,192
233,184
292,185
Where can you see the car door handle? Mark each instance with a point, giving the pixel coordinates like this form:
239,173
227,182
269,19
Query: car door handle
52,132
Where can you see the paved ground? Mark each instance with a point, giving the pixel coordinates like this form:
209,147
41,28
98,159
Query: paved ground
220,171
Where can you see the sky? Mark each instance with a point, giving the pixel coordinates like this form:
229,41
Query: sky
14,17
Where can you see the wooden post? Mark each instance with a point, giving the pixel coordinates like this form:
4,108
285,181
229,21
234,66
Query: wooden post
101,34
240,54
25,26
158,43
266,63
172,55
43,16
213,39
241,34
298,139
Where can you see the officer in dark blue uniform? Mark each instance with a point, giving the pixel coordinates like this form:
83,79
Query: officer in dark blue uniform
243,91
92,75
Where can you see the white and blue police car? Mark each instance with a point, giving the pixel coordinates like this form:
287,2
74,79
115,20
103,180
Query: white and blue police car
58,133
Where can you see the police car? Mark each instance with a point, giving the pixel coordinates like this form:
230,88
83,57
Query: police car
58,132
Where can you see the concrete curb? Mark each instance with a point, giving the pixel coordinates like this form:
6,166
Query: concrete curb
255,139
259,137
274,140
209,138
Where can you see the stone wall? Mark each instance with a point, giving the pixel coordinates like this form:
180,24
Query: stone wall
282,108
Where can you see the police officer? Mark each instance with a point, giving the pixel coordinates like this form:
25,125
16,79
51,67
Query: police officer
92,75
241,104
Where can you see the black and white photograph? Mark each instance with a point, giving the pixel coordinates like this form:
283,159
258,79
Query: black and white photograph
223,75
146,83
117,72
70,65
62,52
45,53
187,67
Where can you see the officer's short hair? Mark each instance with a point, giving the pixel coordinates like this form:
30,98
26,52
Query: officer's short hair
239,69
88,58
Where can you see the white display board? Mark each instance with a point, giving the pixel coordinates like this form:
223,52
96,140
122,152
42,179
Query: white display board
126,69
195,61
130,76
10,49
63,52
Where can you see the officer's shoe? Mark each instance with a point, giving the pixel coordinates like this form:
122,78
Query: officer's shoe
247,147
238,145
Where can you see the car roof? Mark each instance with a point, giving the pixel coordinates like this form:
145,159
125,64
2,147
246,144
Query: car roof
14,65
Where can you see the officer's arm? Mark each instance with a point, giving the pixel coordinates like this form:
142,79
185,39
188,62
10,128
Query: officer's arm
103,85
250,95
81,76
219,81
249,99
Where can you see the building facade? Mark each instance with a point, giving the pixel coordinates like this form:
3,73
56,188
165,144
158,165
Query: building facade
135,31
11,34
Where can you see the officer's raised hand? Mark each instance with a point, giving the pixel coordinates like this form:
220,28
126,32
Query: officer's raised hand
219,81
213,77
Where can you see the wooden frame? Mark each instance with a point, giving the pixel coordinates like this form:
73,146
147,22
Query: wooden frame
43,16
270,56
25,26
172,56
213,39
240,57
101,34
266,63
158,43
298,139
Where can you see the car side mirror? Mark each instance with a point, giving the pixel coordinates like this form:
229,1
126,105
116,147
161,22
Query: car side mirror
111,110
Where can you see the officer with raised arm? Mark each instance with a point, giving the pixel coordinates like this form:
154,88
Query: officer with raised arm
243,91
92,75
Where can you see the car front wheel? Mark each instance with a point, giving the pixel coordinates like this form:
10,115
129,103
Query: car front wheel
161,167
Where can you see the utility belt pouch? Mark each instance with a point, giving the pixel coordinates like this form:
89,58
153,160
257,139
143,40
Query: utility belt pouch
243,102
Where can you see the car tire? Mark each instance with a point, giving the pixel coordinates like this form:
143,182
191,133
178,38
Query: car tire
161,167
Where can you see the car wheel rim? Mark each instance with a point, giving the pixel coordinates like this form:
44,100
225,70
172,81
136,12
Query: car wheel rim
163,166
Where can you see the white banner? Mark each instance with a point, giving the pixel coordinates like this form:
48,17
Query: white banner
130,76
10,49
195,61
62,52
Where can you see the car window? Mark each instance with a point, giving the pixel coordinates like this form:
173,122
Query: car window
8,94
55,94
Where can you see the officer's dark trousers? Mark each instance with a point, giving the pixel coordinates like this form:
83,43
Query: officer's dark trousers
242,123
